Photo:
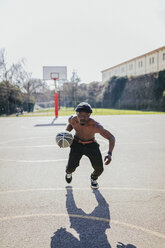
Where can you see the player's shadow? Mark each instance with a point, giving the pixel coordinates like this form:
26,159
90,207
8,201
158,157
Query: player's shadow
90,227
121,245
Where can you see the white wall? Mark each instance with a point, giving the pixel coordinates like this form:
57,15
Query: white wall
147,63
161,59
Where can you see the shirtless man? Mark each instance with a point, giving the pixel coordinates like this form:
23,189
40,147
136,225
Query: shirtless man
84,143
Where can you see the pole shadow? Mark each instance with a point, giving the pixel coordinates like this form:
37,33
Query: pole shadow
50,125
90,227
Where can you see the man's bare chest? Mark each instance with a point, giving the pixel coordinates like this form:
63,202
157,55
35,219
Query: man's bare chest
84,129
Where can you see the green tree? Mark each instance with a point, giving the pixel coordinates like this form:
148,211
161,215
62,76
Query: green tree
113,91
159,85
10,97
94,93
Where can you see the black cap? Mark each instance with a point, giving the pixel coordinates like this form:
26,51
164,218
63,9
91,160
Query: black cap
84,107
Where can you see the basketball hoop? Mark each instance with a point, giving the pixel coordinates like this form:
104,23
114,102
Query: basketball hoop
55,76
55,73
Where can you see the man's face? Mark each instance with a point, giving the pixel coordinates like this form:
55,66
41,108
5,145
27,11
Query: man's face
83,117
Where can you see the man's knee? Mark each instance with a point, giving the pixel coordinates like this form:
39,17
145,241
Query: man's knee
100,170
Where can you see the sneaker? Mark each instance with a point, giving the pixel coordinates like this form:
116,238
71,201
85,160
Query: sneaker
68,178
94,184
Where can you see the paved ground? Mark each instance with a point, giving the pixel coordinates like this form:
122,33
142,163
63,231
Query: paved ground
38,209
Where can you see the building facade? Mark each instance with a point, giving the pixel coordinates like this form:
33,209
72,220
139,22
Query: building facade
150,62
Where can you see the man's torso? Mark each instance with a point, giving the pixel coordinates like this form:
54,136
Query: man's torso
84,132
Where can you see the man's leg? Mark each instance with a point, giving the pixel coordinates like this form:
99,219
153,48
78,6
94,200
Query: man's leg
95,157
73,162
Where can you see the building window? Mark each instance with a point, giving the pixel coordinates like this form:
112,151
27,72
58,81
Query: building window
130,67
152,60
163,56
122,69
140,64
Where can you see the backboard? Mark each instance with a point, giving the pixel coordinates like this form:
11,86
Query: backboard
55,72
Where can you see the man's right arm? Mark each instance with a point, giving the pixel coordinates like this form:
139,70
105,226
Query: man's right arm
69,126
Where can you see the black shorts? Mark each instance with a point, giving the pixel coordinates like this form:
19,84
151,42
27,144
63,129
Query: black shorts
90,150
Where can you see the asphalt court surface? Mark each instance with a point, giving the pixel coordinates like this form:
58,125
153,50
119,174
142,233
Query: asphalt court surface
39,209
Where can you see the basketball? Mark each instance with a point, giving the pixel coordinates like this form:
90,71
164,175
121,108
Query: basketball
64,139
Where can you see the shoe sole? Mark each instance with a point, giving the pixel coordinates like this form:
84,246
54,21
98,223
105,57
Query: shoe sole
94,187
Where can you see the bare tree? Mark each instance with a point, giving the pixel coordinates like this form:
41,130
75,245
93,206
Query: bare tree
3,66
33,85
75,79
17,75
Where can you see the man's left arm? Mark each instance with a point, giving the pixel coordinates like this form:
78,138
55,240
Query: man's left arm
107,135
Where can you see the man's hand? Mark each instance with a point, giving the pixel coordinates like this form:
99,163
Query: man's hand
107,159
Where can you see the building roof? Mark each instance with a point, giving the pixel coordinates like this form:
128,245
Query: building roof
141,56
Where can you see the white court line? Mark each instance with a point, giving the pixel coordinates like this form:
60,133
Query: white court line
142,143
61,160
64,189
10,141
23,139
34,161
41,161
41,146
30,146
104,141
47,160
157,234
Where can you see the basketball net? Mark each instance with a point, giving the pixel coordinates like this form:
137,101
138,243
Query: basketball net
55,98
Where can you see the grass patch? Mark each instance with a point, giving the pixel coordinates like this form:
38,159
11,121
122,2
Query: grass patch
122,112
96,111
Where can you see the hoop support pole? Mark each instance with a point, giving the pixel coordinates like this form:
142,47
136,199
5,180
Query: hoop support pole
55,99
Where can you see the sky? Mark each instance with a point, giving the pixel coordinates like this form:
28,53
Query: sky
87,36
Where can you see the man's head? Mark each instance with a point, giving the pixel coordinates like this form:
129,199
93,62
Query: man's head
83,111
